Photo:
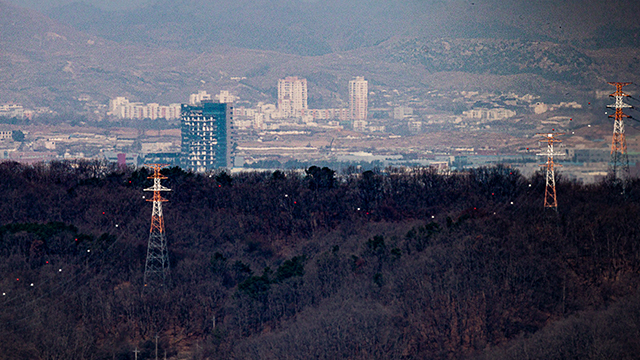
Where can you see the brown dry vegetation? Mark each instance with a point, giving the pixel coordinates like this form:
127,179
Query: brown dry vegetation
430,266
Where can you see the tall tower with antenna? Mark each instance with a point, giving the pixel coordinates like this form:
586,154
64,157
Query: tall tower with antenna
550,199
619,167
157,266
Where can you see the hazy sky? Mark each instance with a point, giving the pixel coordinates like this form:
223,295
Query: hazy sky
44,5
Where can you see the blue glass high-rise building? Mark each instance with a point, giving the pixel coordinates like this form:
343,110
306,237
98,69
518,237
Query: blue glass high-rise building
206,135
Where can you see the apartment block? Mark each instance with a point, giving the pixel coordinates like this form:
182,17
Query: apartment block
358,101
292,96
206,135
122,108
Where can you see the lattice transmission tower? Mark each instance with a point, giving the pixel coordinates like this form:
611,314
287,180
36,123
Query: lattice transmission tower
156,269
619,167
550,199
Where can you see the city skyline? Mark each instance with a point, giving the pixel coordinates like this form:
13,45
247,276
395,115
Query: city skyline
446,93
349,179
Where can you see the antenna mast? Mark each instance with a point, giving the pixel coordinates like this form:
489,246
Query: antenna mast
619,167
157,266
550,200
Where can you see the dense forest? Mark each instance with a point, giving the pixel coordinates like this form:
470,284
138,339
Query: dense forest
310,264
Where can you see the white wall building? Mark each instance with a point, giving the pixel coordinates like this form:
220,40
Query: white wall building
292,96
12,111
358,102
328,114
6,134
258,121
359,125
489,114
117,105
121,108
400,112
225,97
197,98
414,126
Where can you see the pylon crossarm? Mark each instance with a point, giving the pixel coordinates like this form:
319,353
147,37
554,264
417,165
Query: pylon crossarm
157,188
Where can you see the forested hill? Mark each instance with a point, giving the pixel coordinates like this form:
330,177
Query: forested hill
287,265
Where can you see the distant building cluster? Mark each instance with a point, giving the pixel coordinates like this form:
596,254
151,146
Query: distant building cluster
12,111
207,121
224,97
541,108
292,103
122,108
328,114
206,124
489,114
19,112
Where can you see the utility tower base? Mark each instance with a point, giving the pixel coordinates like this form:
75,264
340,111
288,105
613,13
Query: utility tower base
619,166
550,199
156,269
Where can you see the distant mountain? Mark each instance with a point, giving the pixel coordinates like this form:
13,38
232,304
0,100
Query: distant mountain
165,52
320,27
36,55
500,57
22,27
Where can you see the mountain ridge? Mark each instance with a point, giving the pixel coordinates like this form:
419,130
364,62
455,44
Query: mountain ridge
338,25
48,63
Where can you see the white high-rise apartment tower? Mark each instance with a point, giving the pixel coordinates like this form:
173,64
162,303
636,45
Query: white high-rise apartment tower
358,91
292,96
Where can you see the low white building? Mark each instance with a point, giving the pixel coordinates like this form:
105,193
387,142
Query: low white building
225,97
359,125
122,108
414,126
12,111
154,147
489,114
400,112
6,134
197,98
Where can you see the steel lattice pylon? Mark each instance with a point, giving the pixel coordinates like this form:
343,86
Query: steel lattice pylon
550,199
619,167
156,269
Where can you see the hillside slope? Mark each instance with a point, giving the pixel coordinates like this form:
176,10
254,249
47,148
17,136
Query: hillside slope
316,28
148,59
283,265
